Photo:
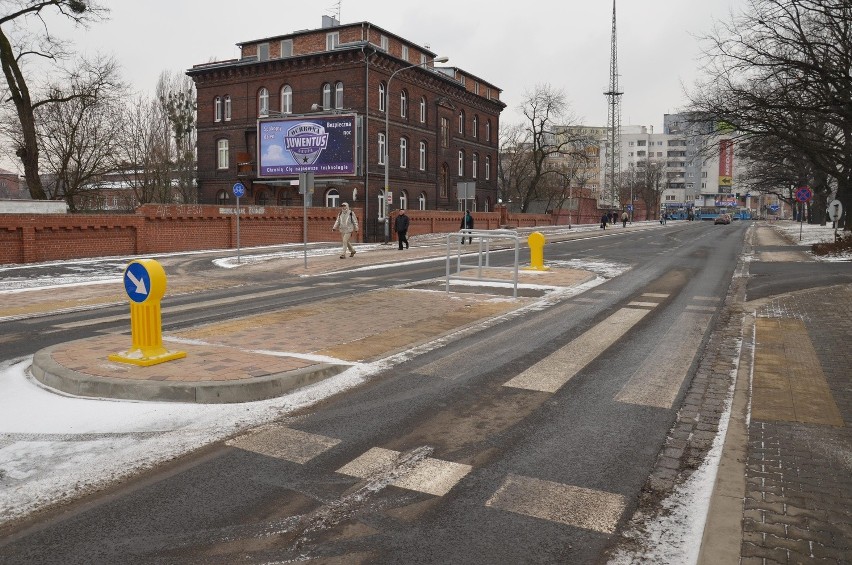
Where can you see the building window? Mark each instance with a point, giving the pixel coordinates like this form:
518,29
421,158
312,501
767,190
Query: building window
403,200
403,104
222,197
263,52
326,96
263,103
383,42
403,153
461,122
461,163
382,149
475,126
488,130
332,198
423,59
422,155
217,109
476,88
332,40
262,198
422,109
286,99
383,206
487,167
474,165
338,95
405,53
222,154
421,201
227,108
382,97
445,132
286,48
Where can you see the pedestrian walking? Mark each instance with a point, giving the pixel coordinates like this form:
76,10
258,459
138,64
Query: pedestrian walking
467,224
401,227
624,218
604,220
347,223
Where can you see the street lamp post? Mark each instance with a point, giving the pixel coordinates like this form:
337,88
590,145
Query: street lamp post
386,156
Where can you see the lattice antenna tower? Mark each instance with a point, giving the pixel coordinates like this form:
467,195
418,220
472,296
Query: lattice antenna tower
613,122
335,10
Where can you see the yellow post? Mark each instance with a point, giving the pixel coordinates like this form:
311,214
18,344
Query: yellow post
145,283
536,244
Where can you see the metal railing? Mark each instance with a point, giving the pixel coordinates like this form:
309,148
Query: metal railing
483,240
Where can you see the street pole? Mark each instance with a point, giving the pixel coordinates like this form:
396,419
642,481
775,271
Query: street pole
386,156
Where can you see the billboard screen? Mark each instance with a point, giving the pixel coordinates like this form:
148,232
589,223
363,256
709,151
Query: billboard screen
726,162
323,145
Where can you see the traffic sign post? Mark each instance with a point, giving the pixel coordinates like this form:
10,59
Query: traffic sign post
145,283
803,195
239,190
835,211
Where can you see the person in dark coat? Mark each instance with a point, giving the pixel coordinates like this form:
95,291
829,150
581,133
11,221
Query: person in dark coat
401,227
467,224
604,220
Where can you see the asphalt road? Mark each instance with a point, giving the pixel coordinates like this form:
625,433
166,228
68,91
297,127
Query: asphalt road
526,441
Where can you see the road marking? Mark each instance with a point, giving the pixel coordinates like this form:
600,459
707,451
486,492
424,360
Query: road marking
284,443
706,298
185,307
694,308
658,379
655,295
584,508
552,372
429,475
644,304
788,382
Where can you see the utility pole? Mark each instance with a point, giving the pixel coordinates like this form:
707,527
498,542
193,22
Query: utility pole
613,121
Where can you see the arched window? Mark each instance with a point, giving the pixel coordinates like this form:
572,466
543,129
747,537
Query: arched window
332,198
475,126
403,104
403,200
338,95
461,163
262,198
263,103
488,167
383,207
222,197
217,109
474,165
382,149
421,201
422,155
382,97
403,153
286,99
227,108
326,96
461,122
488,130
422,109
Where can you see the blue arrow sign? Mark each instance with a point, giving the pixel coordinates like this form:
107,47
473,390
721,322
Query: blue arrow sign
239,189
137,282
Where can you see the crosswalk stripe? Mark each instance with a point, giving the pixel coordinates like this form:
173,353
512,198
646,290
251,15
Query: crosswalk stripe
706,298
584,508
655,294
695,308
429,475
658,379
552,372
284,443
644,304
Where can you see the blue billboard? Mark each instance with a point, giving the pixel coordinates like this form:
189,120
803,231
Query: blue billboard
323,145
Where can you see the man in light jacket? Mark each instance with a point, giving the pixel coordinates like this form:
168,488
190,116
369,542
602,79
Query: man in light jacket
347,223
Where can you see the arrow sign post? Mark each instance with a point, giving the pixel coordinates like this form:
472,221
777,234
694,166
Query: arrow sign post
145,283
239,191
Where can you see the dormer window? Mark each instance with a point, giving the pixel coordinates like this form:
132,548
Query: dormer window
384,42
263,52
405,53
332,40
286,48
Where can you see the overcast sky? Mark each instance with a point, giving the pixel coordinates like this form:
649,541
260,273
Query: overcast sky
515,46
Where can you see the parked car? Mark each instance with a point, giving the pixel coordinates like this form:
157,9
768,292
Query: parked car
723,219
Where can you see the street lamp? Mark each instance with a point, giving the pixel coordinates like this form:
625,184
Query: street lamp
386,156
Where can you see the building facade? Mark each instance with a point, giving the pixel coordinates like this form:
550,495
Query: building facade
442,122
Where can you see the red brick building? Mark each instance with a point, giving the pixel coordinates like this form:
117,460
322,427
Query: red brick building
443,123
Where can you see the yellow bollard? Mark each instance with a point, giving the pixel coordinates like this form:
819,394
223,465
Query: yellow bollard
536,244
145,283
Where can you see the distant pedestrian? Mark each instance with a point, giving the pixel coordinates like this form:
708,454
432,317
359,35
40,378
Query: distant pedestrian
624,218
613,217
467,224
604,220
347,223
401,227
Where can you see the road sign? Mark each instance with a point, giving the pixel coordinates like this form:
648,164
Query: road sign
835,210
141,283
630,207
389,197
239,189
804,194
774,207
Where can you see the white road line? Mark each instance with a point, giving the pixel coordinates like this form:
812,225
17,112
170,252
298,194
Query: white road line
706,298
658,379
552,372
176,309
643,304
432,476
284,443
694,308
584,508
655,295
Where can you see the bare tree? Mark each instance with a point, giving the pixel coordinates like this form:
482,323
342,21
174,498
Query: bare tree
782,72
78,137
18,43
176,95
143,152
